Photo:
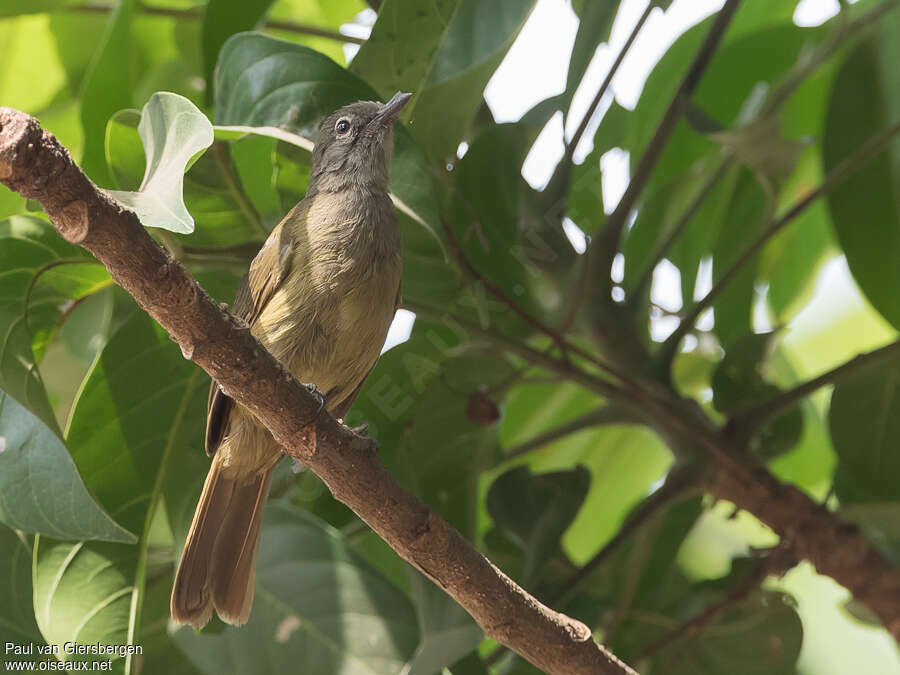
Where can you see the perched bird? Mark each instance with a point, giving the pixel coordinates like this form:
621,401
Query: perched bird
320,296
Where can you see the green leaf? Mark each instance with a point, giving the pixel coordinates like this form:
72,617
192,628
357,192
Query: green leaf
534,511
447,632
293,88
864,419
747,213
152,403
107,88
16,7
444,54
173,131
314,599
223,19
865,207
404,44
16,611
738,383
40,274
40,489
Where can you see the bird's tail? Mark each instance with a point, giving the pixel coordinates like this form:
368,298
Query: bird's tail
218,564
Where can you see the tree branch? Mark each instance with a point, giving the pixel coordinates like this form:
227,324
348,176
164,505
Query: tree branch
289,26
844,169
34,163
747,422
599,258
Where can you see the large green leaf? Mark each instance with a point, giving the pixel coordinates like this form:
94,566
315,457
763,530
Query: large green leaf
263,82
173,131
318,608
445,54
40,276
747,214
865,208
107,87
534,511
223,19
16,612
40,489
447,632
865,422
151,403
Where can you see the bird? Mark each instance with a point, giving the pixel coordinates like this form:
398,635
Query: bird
320,296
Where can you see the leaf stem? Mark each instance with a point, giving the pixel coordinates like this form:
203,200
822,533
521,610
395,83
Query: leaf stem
748,421
838,174
599,258
601,92
779,560
234,187
680,225
198,14
678,481
603,415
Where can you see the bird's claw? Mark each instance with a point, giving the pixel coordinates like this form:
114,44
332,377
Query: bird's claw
317,393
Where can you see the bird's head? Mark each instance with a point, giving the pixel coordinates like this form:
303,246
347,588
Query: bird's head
355,144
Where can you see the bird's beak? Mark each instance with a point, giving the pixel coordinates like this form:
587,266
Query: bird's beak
390,110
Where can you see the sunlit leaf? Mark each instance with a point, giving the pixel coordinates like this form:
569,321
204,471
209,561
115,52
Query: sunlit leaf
173,131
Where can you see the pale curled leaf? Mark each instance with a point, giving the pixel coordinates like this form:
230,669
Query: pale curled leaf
173,131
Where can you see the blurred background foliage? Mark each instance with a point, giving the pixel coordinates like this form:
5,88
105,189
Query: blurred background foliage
101,419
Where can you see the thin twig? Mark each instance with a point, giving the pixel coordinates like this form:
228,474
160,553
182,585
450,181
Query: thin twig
841,172
776,562
197,14
599,258
558,338
748,421
677,482
678,228
601,92
603,415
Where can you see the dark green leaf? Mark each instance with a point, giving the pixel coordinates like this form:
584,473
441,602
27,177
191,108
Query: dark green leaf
864,419
223,19
16,610
447,632
747,213
40,489
152,402
314,598
534,511
448,72
107,88
865,208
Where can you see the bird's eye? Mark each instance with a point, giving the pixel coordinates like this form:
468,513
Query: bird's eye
342,126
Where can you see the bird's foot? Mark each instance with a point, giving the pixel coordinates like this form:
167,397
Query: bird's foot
360,430
317,393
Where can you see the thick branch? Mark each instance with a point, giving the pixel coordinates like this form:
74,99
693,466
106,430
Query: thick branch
33,163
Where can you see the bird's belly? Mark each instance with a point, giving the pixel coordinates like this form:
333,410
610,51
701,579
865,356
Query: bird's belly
330,333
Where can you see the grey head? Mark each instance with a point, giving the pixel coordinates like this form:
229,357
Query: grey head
355,144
